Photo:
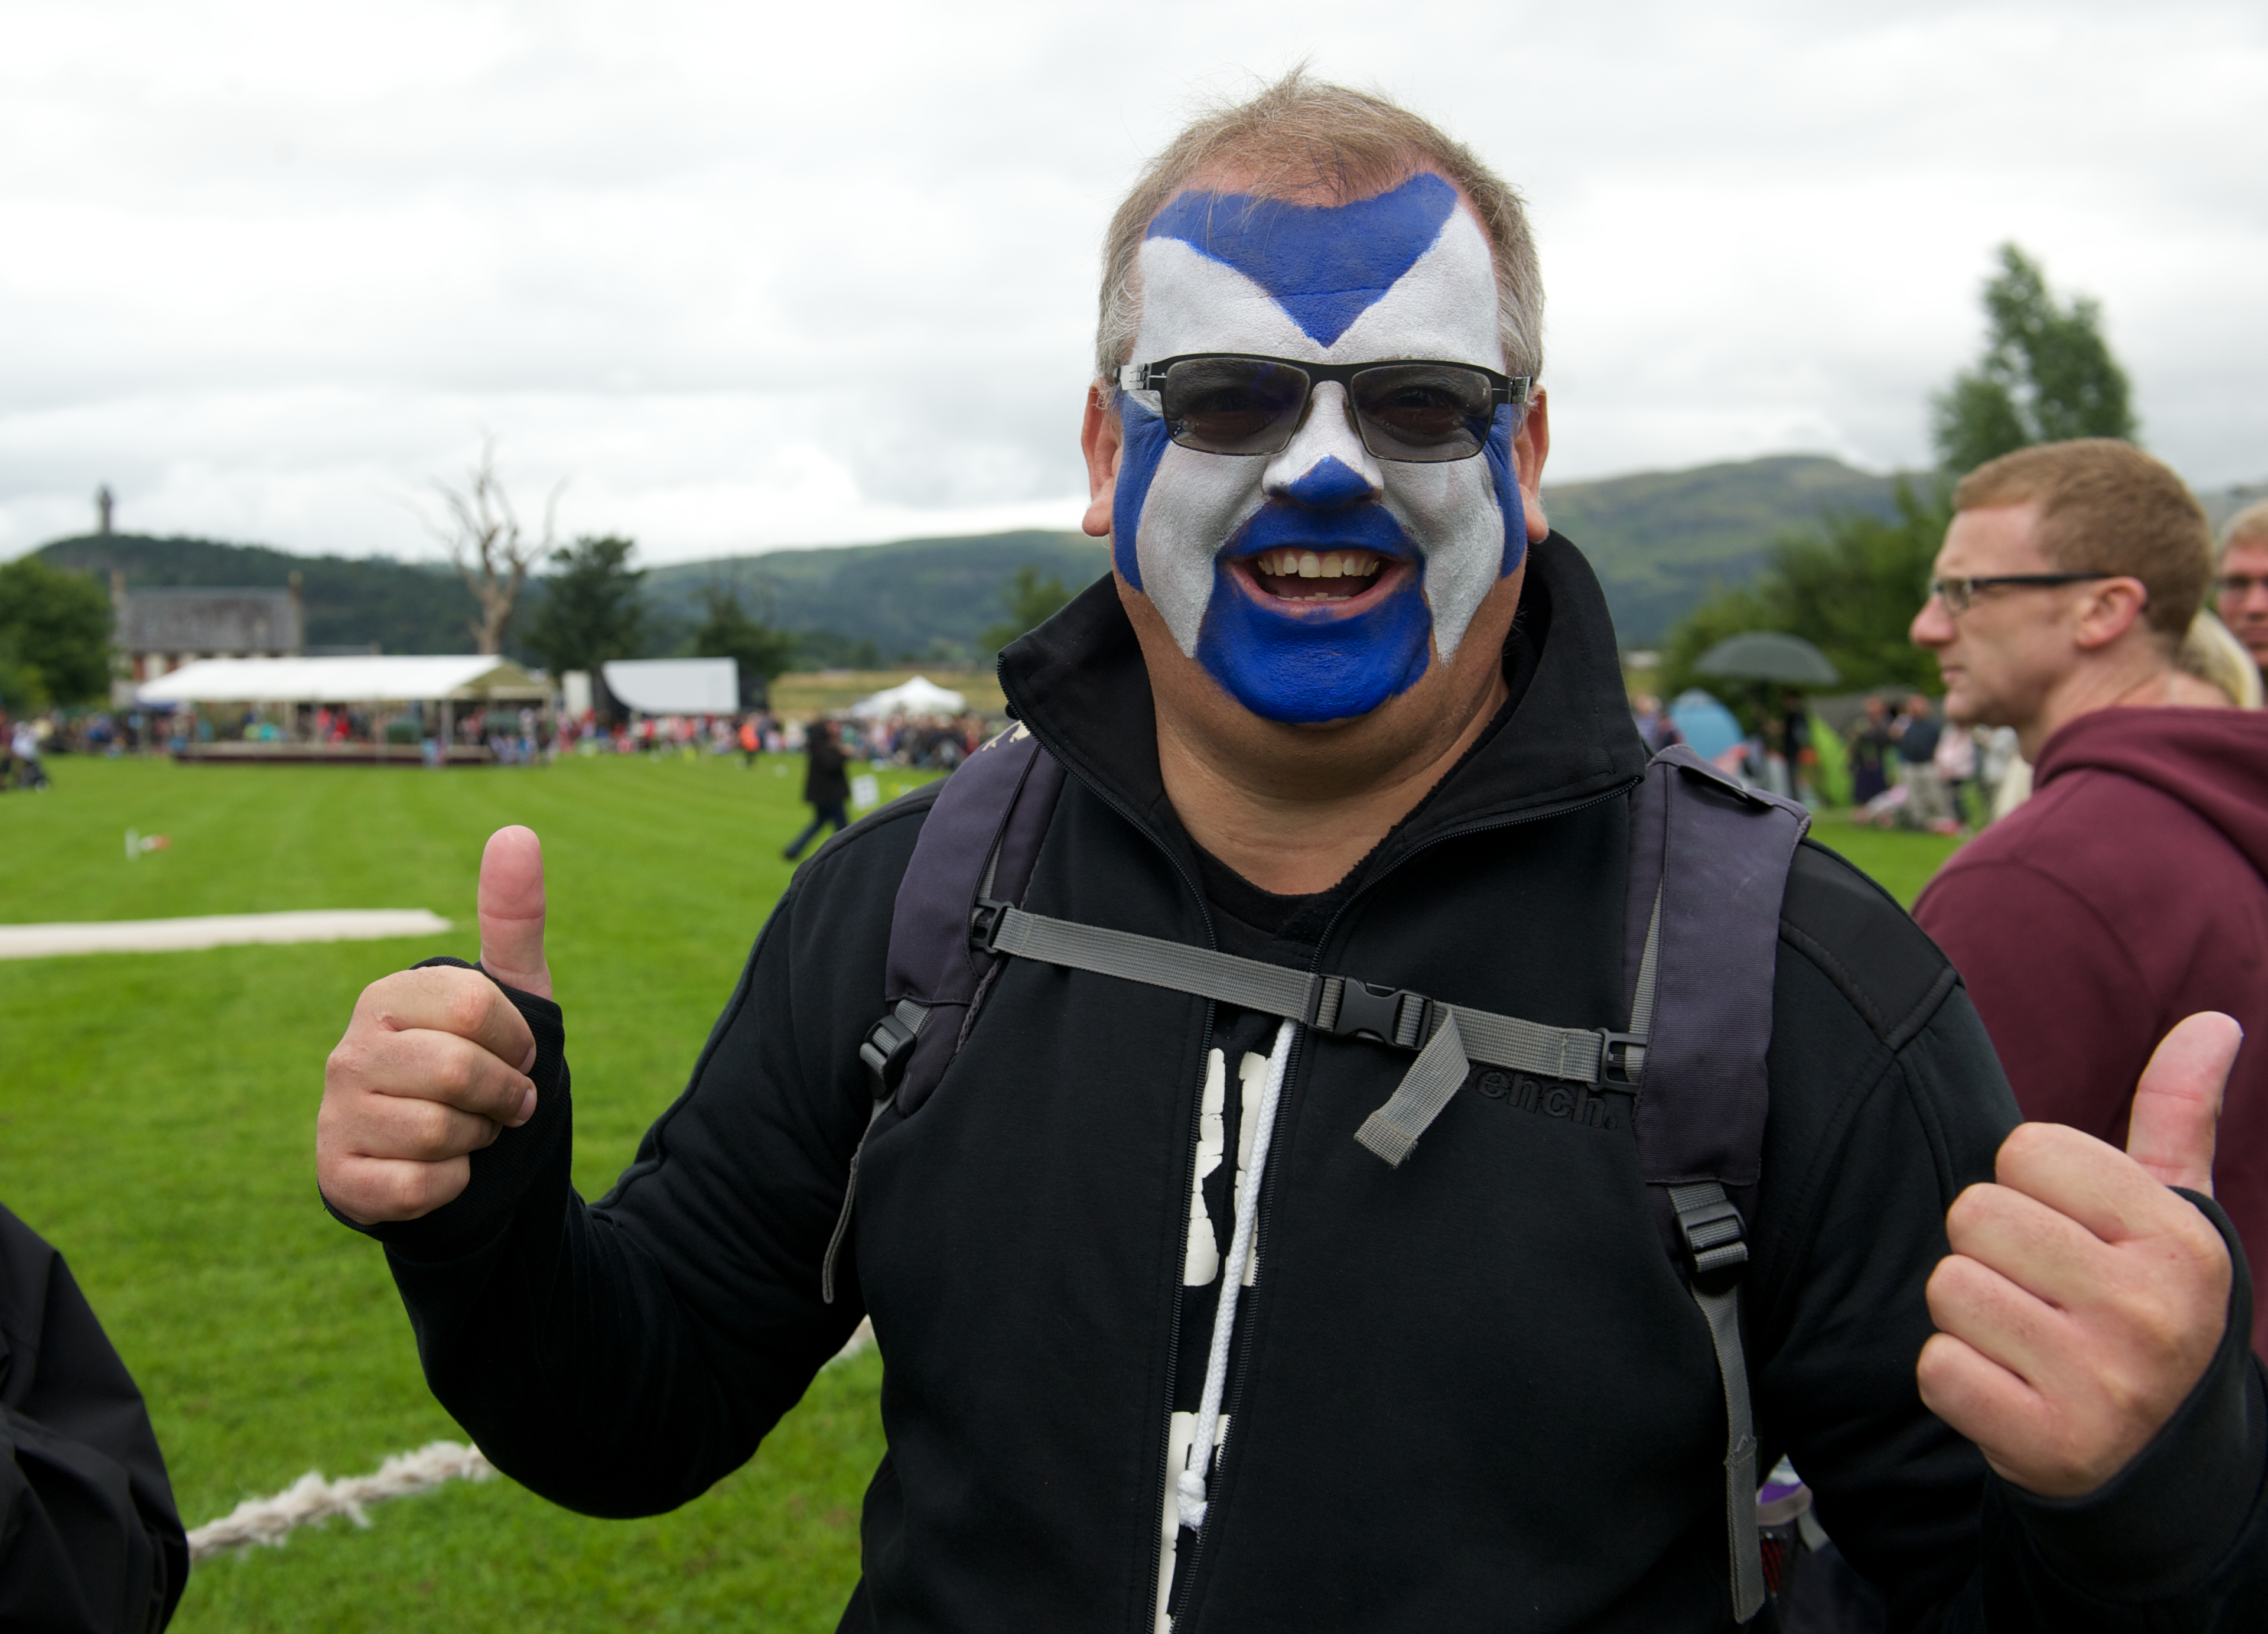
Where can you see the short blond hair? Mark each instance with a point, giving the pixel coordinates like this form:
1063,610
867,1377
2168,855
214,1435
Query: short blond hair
1302,136
2108,507
2212,652
2249,525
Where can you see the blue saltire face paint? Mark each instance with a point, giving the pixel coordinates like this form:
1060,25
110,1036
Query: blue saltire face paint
1221,543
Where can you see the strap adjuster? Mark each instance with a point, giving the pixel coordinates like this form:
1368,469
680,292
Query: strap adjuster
1622,1058
1715,1236
984,922
1394,1015
889,1044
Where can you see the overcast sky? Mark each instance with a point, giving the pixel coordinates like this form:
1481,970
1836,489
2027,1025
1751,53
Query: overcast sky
756,275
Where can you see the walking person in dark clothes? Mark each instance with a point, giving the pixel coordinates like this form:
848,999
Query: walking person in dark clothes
825,786
1188,1331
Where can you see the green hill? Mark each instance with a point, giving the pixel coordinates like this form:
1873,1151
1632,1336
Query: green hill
1659,541
405,607
915,598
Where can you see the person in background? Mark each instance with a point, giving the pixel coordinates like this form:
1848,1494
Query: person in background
1870,748
1916,732
2210,653
2129,888
24,747
826,785
2242,583
1655,728
752,741
1955,763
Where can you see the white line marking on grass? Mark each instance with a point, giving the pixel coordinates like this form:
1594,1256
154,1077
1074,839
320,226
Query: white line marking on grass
216,930
311,1498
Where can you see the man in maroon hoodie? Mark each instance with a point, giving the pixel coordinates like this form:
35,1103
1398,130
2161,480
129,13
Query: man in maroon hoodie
2127,893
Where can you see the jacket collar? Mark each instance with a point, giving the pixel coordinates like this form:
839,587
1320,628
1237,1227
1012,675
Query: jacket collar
1079,683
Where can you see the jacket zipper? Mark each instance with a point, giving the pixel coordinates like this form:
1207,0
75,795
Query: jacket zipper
1245,1321
1147,1609
1267,1182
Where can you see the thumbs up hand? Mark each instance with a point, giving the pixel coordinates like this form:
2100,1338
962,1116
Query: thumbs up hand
2083,1299
434,1064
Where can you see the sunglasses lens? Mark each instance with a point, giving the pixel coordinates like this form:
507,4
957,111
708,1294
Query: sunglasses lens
1422,411
1233,406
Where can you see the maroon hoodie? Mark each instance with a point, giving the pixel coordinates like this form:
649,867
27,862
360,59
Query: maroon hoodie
2126,893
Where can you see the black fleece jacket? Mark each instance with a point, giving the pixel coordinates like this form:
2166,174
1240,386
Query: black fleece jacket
1471,1392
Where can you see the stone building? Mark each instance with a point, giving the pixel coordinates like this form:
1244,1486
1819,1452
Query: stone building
160,629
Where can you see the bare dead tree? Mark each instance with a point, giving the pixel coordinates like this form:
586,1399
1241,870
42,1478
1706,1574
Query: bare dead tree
492,553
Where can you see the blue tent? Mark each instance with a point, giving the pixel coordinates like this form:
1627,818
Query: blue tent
1708,725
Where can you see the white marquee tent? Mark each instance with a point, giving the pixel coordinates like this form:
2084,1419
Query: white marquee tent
469,678
920,696
676,686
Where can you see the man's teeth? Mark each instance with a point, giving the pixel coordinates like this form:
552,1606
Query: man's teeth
1329,565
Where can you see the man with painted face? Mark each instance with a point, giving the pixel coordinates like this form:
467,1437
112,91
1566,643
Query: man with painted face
1344,703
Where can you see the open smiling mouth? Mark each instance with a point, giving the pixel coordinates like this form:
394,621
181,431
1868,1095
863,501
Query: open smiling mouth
1291,574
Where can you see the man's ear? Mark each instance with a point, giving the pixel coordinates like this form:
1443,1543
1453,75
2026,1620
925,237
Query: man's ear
2111,608
1529,446
1100,440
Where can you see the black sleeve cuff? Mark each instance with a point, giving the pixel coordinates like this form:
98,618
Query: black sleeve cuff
2162,1526
504,1171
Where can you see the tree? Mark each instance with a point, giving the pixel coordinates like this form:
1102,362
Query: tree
491,554
729,630
1031,600
54,636
2047,374
593,605
1852,590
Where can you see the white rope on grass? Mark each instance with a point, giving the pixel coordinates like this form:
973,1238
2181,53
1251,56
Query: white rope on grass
310,1499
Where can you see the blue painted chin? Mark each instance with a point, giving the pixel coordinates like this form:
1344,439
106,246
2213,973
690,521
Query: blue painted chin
1308,662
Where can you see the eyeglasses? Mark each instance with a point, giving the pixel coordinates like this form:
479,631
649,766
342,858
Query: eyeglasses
1958,593
1233,402
2238,585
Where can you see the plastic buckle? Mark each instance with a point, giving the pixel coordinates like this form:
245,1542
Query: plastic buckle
888,1046
1622,1060
1716,1239
984,922
1393,1016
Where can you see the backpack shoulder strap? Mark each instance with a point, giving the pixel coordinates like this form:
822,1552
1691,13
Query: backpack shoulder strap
979,842
1709,862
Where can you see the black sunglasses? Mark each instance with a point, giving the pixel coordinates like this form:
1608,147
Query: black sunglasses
1233,402
1958,593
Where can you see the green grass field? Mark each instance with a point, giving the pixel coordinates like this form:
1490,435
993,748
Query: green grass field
156,1116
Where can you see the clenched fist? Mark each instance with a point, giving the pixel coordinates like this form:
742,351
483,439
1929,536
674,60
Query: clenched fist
2084,1299
434,1064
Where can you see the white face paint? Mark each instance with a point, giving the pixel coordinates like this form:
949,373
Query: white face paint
1444,307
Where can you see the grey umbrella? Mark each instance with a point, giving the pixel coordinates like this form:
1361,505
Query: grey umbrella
1769,656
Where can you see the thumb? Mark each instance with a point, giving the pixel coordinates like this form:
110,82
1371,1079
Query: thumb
511,911
2177,1103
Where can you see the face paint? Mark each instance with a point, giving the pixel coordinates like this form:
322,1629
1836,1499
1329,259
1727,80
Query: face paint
1208,536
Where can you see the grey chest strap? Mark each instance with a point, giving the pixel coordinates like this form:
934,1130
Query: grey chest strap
1447,1037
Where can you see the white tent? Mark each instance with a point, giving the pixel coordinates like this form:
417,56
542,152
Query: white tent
920,696
469,678
676,686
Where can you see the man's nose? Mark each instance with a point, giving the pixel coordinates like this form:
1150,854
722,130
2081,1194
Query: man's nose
1324,467
1933,627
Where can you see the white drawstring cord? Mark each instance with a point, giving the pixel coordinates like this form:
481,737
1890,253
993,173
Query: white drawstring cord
1190,1485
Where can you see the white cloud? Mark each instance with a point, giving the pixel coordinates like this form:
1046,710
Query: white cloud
757,275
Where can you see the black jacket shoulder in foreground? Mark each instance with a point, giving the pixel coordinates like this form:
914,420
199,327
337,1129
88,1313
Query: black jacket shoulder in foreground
89,1537
1470,1392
